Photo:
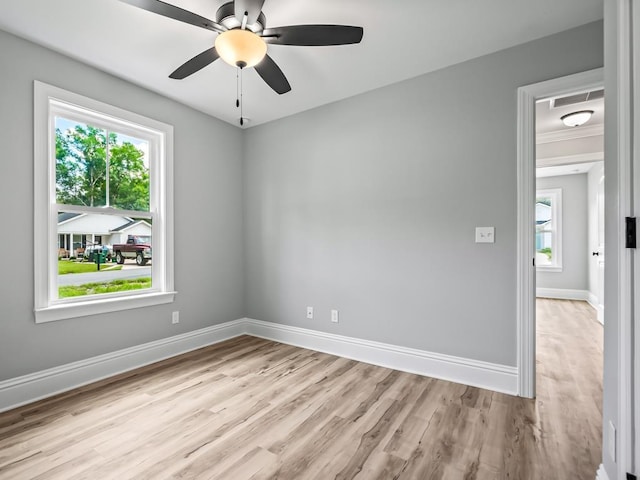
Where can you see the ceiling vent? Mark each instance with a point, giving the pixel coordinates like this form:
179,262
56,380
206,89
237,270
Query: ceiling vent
577,98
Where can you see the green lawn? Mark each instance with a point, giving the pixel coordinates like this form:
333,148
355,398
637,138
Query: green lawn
546,251
66,266
104,287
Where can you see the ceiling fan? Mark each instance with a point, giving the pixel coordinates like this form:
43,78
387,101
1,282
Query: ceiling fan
243,37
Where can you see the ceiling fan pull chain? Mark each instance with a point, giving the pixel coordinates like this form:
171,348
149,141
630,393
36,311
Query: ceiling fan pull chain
237,89
241,100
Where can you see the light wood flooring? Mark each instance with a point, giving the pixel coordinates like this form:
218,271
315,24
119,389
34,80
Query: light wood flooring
254,409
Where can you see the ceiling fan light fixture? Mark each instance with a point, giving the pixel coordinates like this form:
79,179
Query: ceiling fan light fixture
240,48
575,119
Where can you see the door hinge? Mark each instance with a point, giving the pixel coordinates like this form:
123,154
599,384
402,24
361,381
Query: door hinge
630,232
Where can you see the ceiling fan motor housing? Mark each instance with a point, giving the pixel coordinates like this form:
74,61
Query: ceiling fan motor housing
226,16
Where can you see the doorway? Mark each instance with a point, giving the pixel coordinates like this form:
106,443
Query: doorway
528,97
569,261
569,200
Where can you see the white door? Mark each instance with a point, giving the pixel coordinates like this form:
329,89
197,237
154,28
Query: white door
599,253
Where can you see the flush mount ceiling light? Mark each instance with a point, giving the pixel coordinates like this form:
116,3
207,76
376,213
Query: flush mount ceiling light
575,119
243,37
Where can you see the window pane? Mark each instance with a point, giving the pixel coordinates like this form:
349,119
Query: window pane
99,254
544,232
83,160
128,172
81,163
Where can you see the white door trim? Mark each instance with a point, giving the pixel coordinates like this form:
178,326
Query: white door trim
526,155
620,132
635,35
628,136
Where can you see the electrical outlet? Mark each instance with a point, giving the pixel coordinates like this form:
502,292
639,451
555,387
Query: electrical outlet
175,317
334,316
310,313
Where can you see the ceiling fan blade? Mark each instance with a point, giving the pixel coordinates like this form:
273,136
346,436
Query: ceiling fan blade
272,75
252,7
313,35
177,13
196,63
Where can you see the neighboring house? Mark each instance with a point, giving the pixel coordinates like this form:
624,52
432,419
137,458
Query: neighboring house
76,231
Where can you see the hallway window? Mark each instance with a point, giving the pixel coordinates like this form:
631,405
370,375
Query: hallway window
549,230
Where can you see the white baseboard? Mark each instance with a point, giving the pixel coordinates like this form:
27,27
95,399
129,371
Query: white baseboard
592,300
36,386
500,378
602,473
562,293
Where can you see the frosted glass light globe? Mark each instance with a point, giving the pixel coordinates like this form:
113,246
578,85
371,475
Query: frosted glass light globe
240,48
576,119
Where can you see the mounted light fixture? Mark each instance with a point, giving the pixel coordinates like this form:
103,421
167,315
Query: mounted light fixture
240,48
575,119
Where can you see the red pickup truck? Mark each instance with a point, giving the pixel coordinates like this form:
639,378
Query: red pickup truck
137,246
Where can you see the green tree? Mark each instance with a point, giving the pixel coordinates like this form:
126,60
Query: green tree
128,177
89,149
67,172
81,170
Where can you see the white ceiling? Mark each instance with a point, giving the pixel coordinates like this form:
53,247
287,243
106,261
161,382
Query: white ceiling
402,39
563,150
573,169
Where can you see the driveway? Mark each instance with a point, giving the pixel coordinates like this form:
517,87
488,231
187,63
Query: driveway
129,271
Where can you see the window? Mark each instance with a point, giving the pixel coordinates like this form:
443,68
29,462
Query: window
103,207
549,230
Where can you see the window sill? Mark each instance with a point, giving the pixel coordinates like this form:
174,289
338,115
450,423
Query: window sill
95,307
549,269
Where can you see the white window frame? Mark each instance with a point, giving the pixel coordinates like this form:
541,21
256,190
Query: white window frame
556,228
50,101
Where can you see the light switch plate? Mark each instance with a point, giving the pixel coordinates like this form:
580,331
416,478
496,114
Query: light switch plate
485,234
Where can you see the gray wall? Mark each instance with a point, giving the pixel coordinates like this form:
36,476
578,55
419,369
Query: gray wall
574,275
369,205
208,218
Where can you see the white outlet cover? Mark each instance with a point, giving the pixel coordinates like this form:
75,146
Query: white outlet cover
334,316
485,234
